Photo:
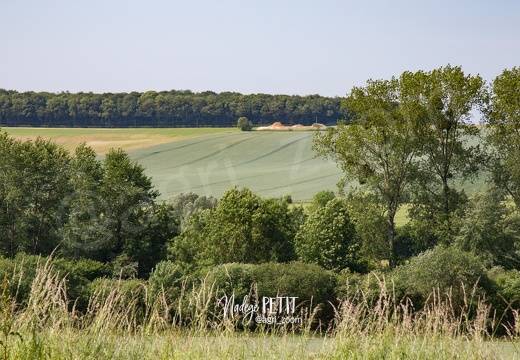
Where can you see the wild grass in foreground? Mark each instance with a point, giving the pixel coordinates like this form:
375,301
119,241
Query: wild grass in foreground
123,325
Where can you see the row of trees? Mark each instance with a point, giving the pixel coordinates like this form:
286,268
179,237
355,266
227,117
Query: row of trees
162,109
411,141
245,228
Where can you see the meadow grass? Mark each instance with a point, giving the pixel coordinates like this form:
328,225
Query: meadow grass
119,325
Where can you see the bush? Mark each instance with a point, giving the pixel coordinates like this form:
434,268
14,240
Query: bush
310,283
231,279
244,124
79,274
449,271
168,276
21,272
328,238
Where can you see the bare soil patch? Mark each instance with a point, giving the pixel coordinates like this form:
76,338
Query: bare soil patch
279,126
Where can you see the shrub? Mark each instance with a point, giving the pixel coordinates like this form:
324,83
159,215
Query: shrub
169,277
231,279
312,284
244,124
447,270
79,274
328,238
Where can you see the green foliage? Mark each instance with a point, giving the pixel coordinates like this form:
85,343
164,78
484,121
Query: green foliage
447,270
168,277
379,148
244,124
242,228
33,182
503,116
79,273
7,326
185,204
232,279
328,238
84,215
21,271
320,199
175,108
490,229
309,282
371,227
441,105
129,198
433,220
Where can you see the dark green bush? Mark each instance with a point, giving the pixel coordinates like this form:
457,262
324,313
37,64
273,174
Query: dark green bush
310,283
447,270
167,277
79,274
21,271
231,279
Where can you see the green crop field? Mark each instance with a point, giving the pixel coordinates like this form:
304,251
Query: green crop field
271,164
209,161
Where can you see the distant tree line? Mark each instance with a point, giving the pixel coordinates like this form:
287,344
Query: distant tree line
162,109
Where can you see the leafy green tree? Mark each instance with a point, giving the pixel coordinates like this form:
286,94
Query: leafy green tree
129,195
108,110
33,182
242,228
379,149
244,124
320,199
328,238
185,204
45,167
12,199
490,229
447,270
441,104
83,216
149,246
503,132
370,223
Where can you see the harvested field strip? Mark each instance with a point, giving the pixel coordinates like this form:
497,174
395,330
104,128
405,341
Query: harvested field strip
102,140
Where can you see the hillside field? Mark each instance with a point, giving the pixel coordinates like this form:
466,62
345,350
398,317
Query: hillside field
209,161
271,164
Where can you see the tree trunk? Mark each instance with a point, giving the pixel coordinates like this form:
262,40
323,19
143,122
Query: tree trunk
391,234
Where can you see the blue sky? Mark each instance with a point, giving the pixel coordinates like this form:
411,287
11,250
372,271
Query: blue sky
276,47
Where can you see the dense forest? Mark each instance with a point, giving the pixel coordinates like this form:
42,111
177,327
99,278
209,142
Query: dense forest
162,109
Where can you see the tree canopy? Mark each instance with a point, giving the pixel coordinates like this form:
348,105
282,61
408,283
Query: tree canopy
175,108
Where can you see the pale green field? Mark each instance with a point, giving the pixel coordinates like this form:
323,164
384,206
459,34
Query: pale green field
271,164
209,161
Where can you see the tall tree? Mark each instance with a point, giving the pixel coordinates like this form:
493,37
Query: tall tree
378,149
129,196
242,228
443,103
503,132
84,213
328,238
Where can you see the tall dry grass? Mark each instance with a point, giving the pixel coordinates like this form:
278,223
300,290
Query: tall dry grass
123,324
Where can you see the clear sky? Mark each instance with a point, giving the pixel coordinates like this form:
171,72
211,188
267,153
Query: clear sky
271,46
